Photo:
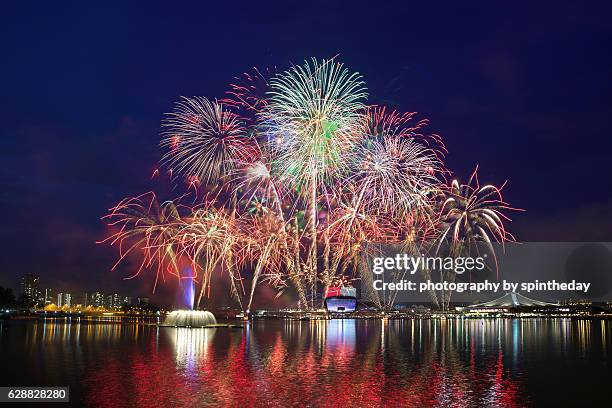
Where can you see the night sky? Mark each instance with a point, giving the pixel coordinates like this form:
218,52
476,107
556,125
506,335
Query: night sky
523,91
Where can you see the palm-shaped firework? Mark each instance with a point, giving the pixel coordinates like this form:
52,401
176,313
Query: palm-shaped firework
471,215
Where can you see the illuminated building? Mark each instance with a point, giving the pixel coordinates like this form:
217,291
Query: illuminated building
49,296
29,287
117,301
510,303
64,299
96,299
341,299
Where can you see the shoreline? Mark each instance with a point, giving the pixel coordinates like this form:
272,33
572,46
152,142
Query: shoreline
147,319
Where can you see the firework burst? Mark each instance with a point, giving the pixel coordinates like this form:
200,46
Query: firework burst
313,118
397,173
472,213
291,176
204,140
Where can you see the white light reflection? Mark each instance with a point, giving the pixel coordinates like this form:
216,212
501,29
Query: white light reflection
191,346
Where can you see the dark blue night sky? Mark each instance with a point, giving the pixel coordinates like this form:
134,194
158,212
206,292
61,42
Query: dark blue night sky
524,91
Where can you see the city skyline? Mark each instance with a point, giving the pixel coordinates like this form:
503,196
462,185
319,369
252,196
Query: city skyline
32,289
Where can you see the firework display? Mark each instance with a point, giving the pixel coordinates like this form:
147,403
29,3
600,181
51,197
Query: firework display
288,177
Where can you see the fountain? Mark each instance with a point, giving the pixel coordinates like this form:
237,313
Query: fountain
190,318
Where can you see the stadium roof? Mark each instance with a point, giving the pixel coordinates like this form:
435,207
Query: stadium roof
512,299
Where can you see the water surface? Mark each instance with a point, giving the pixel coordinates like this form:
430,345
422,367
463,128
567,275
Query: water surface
494,362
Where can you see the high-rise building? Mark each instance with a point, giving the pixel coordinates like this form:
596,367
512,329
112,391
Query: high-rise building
117,300
49,296
64,299
29,287
40,299
96,299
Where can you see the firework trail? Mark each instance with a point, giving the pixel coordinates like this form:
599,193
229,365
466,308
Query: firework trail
143,224
248,94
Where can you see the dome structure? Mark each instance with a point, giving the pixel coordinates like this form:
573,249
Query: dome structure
189,318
